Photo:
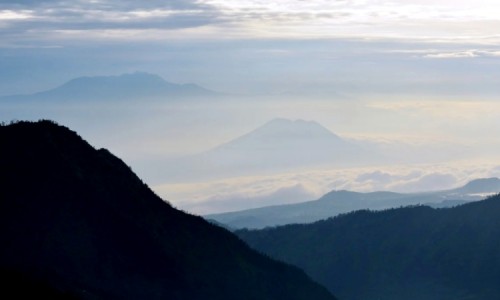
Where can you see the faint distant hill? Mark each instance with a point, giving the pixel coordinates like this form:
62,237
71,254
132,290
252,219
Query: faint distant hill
77,223
278,145
134,86
410,253
480,186
339,202
284,142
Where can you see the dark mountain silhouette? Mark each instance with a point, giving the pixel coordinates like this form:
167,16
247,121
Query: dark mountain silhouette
76,222
339,202
135,86
408,253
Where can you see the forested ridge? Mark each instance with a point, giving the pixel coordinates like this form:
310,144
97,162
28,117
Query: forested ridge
405,253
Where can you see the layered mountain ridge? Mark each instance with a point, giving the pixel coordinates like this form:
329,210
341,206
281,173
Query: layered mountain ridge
339,202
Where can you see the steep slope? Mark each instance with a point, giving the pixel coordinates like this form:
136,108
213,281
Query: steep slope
338,202
408,253
77,222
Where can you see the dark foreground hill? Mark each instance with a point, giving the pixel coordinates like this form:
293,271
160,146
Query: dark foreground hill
76,222
409,253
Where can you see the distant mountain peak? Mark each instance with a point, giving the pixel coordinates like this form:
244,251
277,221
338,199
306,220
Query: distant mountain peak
338,202
482,185
130,82
280,144
138,79
281,128
131,86
290,121
135,75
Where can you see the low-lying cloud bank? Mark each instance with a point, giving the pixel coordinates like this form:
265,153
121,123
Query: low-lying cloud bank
255,191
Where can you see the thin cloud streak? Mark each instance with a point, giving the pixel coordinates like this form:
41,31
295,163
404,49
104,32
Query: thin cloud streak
464,54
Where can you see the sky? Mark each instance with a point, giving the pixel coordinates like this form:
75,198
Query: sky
250,46
419,72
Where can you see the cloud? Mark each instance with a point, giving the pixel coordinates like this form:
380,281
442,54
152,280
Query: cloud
367,19
15,15
102,4
464,54
23,16
257,191
377,176
429,182
259,19
236,201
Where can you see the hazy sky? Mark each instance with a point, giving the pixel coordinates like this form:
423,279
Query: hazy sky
421,72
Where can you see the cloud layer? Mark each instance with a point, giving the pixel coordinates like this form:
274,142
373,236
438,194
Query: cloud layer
251,192
55,19
448,20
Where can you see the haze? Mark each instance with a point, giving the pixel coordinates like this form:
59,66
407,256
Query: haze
419,80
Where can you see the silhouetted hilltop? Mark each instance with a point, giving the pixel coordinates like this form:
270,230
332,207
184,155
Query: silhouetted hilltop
408,253
77,222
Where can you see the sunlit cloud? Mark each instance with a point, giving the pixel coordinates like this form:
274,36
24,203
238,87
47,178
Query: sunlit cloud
257,191
369,19
464,54
6,15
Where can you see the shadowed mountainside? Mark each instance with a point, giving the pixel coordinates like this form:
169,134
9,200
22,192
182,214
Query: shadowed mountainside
408,253
76,222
